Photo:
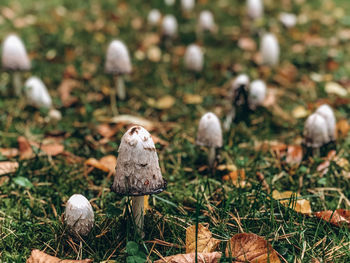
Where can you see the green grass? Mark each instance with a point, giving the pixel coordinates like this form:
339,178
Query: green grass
27,213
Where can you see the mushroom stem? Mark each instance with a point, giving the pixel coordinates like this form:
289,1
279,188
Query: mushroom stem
113,101
137,211
120,86
211,157
17,83
230,116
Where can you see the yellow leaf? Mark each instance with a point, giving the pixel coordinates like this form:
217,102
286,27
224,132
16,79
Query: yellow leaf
193,99
205,241
163,103
335,88
299,112
299,205
237,177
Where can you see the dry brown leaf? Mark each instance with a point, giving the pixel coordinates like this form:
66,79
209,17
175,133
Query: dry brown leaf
156,140
25,150
338,217
205,241
109,161
247,43
300,112
8,167
237,177
105,130
191,258
95,163
129,119
65,89
38,256
294,154
163,103
229,167
299,205
9,152
251,248
193,99
343,128
52,149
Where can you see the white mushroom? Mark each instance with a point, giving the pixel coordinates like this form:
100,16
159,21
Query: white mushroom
169,26
15,59
154,17
169,2
270,49
194,58
37,93
206,22
79,216
316,131
187,5
210,135
288,20
327,113
118,64
138,172
257,93
255,8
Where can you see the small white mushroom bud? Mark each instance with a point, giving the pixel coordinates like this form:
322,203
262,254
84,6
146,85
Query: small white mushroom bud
257,93
327,113
154,17
194,58
55,115
169,2
187,5
37,93
210,135
316,131
206,21
169,26
270,49
288,20
79,215
255,8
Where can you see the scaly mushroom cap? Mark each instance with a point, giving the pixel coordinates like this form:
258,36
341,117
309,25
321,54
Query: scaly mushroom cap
187,5
14,54
138,172
79,215
194,58
316,131
270,49
169,26
154,17
255,8
206,21
37,94
209,131
117,59
257,93
327,113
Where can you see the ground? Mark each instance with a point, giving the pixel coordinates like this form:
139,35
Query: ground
68,40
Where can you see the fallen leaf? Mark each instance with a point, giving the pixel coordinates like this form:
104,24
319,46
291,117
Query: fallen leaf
338,217
193,99
205,241
51,149
129,119
237,177
38,256
96,164
299,205
343,128
163,103
191,258
109,161
25,150
8,167
105,130
247,43
294,154
154,54
229,167
335,88
300,112
65,89
251,248
9,152
156,140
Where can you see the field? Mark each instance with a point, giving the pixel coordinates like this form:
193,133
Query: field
67,42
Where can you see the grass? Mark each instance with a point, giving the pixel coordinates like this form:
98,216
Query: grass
77,33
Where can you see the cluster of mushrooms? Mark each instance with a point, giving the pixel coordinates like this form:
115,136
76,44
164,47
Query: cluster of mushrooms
137,171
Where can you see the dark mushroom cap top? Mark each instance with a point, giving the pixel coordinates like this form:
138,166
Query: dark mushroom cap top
14,54
138,172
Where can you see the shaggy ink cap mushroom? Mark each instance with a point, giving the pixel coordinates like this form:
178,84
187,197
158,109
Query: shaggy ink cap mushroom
194,58
187,5
138,172
239,86
270,49
316,131
169,26
117,59
79,215
154,17
255,8
209,131
37,93
327,113
257,93
14,54
206,21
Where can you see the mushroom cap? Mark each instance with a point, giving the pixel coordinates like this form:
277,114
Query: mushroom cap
14,54
240,82
206,21
154,17
257,93
209,131
117,59
79,215
316,131
255,8
187,5
169,2
270,49
37,93
169,26
288,20
138,172
327,113
194,58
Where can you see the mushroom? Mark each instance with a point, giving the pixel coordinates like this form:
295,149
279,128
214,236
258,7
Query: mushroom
169,2
154,17
206,22
327,113
169,26
138,172
255,9
257,93
288,20
316,132
37,94
15,59
270,49
187,5
194,58
238,96
118,64
210,135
